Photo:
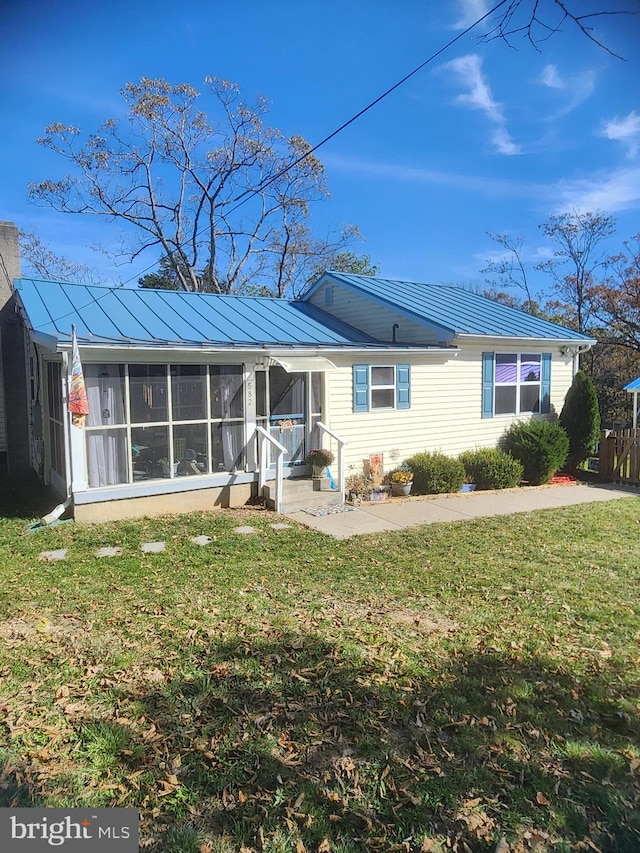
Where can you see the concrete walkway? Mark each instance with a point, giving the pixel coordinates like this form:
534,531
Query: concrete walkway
398,513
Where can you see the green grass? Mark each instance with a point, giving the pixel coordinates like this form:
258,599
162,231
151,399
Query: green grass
448,685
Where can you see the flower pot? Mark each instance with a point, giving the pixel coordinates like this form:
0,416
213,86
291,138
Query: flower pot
399,490
317,471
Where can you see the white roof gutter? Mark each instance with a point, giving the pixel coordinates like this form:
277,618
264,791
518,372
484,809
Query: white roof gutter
583,344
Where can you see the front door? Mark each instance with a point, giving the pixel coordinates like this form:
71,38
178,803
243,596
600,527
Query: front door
294,407
288,412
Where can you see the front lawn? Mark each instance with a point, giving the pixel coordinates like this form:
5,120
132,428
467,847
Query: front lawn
442,688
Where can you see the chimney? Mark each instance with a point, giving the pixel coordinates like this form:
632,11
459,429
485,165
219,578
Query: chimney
9,260
14,413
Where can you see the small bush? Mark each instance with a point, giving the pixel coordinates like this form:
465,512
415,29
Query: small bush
541,446
359,485
491,468
435,473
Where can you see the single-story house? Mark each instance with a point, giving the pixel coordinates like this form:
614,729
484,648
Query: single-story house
181,385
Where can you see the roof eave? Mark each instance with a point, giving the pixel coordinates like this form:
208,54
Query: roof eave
264,349
585,343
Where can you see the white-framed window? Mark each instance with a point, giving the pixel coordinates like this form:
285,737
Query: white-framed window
149,421
383,387
379,387
517,383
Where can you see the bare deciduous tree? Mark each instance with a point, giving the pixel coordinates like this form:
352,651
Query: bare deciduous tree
511,271
539,20
40,260
224,199
577,236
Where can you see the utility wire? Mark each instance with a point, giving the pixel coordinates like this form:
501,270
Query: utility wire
244,197
248,194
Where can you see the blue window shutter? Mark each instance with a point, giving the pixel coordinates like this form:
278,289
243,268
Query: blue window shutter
403,386
360,387
545,384
487,384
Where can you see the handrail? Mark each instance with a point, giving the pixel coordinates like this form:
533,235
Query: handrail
263,437
341,445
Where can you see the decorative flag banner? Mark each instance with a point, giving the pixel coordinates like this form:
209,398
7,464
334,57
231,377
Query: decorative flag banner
78,404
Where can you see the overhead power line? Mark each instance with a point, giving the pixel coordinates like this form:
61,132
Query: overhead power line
247,195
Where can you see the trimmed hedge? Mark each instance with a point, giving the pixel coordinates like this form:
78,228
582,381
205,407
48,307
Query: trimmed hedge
541,446
435,473
491,468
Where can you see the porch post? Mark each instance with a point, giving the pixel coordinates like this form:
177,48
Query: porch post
250,417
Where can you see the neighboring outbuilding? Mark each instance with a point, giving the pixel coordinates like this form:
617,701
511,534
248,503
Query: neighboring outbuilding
634,388
180,385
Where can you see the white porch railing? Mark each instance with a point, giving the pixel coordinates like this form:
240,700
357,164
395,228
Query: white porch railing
341,445
264,441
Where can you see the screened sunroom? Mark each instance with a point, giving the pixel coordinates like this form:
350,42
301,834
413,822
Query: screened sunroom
179,414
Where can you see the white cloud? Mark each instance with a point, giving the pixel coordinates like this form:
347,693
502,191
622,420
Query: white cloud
551,78
485,186
574,90
616,191
468,70
625,130
470,12
503,142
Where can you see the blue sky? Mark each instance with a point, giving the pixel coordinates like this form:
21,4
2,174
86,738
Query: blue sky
486,138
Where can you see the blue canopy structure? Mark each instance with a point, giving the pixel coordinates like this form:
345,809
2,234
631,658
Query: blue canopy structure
633,388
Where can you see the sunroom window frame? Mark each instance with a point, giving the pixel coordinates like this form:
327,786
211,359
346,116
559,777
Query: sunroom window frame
208,422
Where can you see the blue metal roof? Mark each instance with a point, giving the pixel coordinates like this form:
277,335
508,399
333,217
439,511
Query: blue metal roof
121,316
453,309
634,385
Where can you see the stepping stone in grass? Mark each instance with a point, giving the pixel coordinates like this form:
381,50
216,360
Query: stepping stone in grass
201,540
153,547
245,530
109,551
53,555
280,526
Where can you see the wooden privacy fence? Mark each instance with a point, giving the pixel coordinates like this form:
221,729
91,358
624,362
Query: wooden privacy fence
620,455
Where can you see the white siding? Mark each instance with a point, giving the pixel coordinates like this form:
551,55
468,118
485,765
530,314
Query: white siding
373,319
446,406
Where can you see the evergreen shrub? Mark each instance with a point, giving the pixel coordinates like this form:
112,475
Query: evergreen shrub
580,419
435,473
491,468
541,446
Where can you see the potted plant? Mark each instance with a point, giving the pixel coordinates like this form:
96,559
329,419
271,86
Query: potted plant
401,481
359,487
319,459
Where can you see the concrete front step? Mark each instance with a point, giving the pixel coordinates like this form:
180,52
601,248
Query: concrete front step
299,493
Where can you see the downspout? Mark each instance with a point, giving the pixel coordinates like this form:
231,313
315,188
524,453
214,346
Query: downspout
576,357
